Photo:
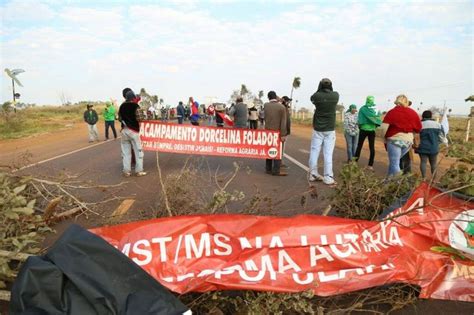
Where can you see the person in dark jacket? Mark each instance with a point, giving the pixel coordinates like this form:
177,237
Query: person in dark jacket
430,135
91,118
275,119
324,134
180,112
129,118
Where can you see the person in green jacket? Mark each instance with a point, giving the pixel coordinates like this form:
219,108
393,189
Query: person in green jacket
368,121
109,118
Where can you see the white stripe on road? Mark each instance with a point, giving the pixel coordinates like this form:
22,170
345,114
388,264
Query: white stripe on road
61,155
295,161
304,151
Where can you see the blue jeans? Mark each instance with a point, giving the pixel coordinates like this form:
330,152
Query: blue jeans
131,139
395,152
351,142
325,140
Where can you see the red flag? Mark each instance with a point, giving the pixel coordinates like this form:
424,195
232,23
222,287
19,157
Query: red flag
226,119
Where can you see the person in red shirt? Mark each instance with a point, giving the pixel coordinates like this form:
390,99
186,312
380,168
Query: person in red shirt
401,127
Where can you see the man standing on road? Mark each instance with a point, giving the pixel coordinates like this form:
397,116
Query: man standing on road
275,119
240,113
324,134
130,115
91,118
109,118
180,112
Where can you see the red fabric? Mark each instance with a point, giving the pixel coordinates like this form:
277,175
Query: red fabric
402,119
226,118
327,255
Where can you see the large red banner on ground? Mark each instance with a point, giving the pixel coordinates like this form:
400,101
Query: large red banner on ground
428,242
189,139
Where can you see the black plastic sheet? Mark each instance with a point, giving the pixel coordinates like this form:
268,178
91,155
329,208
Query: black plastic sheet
83,274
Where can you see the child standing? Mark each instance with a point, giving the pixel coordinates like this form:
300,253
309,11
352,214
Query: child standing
430,136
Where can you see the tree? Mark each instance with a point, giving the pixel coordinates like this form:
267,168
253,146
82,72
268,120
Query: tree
243,90
339,108
296,84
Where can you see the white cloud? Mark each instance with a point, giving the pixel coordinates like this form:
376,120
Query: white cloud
185,50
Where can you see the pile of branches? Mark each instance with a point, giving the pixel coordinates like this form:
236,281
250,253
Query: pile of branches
382,300
30,206
362,195
460,178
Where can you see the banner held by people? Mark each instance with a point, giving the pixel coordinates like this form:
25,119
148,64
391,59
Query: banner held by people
420,243
188,139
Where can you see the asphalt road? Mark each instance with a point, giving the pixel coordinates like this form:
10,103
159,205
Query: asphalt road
69,156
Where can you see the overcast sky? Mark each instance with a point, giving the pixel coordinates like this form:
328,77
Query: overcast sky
91,50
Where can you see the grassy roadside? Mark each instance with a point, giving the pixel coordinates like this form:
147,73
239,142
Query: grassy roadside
37,120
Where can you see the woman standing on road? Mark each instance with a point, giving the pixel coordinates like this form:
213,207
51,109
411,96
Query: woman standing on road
399,126
368,121
351,131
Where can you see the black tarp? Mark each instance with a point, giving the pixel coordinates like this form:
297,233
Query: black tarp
83,274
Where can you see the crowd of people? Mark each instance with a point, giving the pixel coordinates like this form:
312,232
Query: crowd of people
401,128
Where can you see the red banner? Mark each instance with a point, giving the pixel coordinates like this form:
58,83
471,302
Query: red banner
428,242
189,139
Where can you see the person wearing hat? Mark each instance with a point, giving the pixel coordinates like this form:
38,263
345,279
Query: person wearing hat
368,120
351,131
220,110
130,117
398,127
109,118
431,135
253,116
275,119
91,118
324,133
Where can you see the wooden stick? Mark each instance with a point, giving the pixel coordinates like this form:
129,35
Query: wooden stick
468,129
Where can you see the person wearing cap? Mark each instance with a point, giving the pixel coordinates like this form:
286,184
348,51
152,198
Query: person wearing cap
240,113
398,128
275,119
368,120
351,131
324,133
253,116
129,113
109,118
91,118
220,111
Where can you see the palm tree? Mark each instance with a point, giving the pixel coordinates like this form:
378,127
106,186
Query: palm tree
296,85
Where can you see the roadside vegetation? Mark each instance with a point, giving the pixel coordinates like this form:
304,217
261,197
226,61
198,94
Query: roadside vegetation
37,120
